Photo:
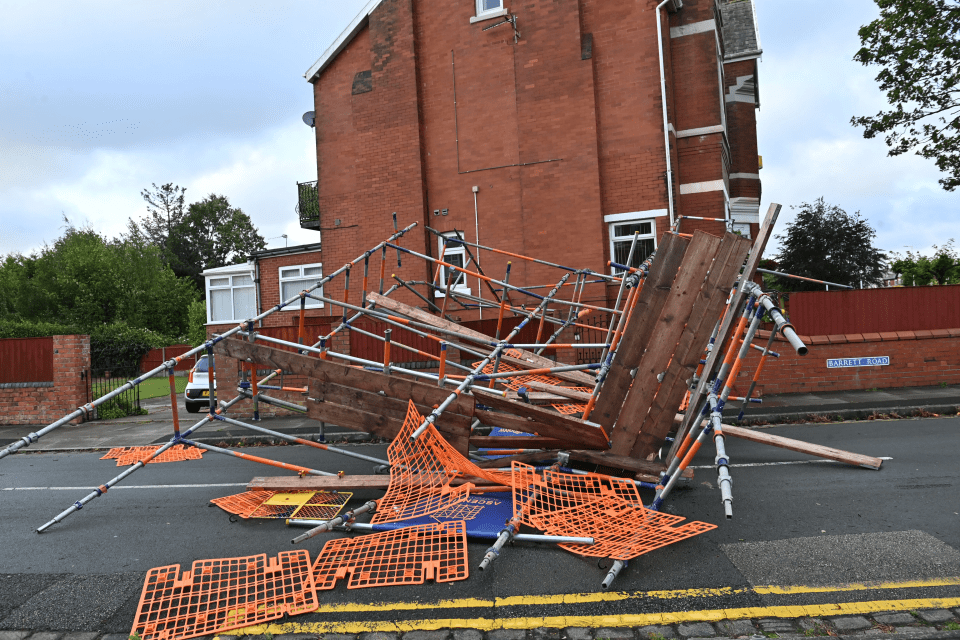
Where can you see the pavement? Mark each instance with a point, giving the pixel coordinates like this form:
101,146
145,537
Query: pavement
924,611
155,427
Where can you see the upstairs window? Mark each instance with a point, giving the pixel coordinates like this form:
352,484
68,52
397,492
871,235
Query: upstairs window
621,237
455,254
485,7
296,278
232,298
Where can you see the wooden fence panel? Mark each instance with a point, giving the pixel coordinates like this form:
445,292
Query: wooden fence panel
26,360
156,357
369,348
817,313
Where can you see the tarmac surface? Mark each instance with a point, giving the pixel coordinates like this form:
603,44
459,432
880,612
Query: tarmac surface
815,547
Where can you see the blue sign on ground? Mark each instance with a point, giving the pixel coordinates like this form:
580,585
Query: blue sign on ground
485,515
874,361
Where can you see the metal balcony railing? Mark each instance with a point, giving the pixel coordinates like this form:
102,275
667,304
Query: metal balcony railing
308,204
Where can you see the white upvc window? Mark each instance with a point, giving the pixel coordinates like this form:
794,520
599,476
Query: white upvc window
231,297
296,278
455,254
621,237
743,228
486,7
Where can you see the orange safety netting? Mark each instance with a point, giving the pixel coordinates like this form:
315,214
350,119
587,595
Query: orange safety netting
421,473
535,495
620,531
225,593
286,504
515,382
604,508
126,456
410,555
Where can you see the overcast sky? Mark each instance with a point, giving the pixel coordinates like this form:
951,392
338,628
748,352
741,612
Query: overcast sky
100,99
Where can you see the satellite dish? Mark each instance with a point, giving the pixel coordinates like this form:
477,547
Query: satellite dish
309,118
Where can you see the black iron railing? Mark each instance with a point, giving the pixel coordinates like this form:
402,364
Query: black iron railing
103,382
308,203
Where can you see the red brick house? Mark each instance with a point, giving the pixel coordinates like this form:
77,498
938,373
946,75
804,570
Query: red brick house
240,291
550,128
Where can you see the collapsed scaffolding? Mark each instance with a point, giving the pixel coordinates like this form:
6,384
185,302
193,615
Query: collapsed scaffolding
680,328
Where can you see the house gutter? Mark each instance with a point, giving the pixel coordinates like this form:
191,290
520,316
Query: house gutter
663,99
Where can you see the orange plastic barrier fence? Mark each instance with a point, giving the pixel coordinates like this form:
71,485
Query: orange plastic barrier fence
515,382
126,456
602,507
410,555
421,473
620,531
225,593
535,496
322,505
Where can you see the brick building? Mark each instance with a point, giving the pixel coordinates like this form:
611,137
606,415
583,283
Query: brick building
536,126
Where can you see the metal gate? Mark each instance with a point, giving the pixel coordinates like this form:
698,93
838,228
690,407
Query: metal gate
111,368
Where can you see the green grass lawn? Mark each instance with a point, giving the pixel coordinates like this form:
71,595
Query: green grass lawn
156,387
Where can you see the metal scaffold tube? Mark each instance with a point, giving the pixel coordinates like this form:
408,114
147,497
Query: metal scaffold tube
468,381
615,569
102,489
724,481
329,525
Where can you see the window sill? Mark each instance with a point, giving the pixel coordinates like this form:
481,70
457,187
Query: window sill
489,16
454,290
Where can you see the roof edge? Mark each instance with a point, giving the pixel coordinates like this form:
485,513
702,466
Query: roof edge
749,55
283,251
338,45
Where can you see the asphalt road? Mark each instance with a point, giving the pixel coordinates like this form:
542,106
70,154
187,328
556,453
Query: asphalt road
797,521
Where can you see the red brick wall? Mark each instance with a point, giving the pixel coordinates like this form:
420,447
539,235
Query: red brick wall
42,404
923,358
368,146
269,288
404,146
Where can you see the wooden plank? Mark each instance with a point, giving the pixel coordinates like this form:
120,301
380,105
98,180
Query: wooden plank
527,425
449,424
318,483
375,423
333,483
673,318
551,424
329,371
656,288
706,311
700,392
608,459
839,455
574,377
520,442
572,394
537,397
529,358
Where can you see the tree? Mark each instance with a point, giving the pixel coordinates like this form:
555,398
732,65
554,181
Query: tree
916,269
165,212
827,243
214,234
88,281
917,45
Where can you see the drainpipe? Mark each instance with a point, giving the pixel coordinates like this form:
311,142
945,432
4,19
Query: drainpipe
663,98
476,224
256,284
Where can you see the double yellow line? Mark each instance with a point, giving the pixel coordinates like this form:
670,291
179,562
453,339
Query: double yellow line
620,620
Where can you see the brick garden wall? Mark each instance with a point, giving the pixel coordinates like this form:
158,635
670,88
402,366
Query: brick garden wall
917,359
43,403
